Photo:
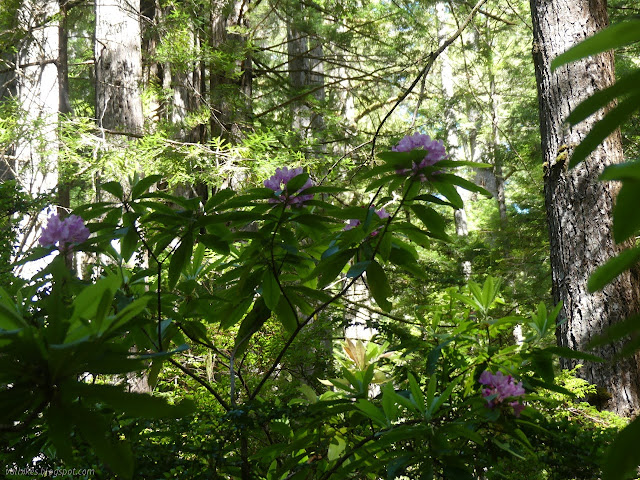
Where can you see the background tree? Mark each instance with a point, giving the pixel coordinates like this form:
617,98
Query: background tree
579,208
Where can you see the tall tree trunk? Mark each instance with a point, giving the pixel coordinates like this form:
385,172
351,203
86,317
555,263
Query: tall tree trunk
306,73
578,205
32,160
64,102
118,65
230,86
455,148
118,77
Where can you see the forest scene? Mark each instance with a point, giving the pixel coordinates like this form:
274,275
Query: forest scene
320,239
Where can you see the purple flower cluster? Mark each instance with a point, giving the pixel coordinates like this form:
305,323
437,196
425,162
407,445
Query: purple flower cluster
434,148
501,387
354,222
278,183
62,232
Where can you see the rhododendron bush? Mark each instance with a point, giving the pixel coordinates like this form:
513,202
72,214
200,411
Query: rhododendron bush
174,284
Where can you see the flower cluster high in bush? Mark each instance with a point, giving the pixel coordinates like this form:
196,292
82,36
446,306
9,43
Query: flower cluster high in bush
501,387
63,231
434,148
279,183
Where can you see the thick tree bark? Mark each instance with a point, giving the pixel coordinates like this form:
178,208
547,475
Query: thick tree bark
118,78
578,205
306,72
118,65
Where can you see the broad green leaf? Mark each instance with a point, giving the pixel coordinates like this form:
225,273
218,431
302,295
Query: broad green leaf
611,37
358,269
464,183
617,331
252,322
10,319
114,188
431,391
507,448
606,273
297,182
432,220
628,84
87,303
179,259
402,159
450,192
126,314
139,405
286,315
389,405
97,431
218,198
626,221
622,456
416,393
622,171
605,127
372,412
60,431
379,285
330,267
456,472
336,447
129,243
446,394
215,243
143,185
568,353
270,289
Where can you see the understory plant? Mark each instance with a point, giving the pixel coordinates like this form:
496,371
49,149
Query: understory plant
236,299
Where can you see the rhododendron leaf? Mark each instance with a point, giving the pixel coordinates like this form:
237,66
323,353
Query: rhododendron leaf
114,188
270,289
143,185
179,259
379,285
252,322
622,457
450,192
297,182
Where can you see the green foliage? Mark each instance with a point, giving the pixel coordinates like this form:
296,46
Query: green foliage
250,267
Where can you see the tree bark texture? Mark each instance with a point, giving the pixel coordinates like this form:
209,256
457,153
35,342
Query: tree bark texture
306,73
578,205
230,77
118,65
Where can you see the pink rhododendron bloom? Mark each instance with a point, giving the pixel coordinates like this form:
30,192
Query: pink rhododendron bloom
63,232
278,183
501,387
434,148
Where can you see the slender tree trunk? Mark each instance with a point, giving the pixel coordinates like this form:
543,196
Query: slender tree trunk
578,205
64,102
455,148
33,158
